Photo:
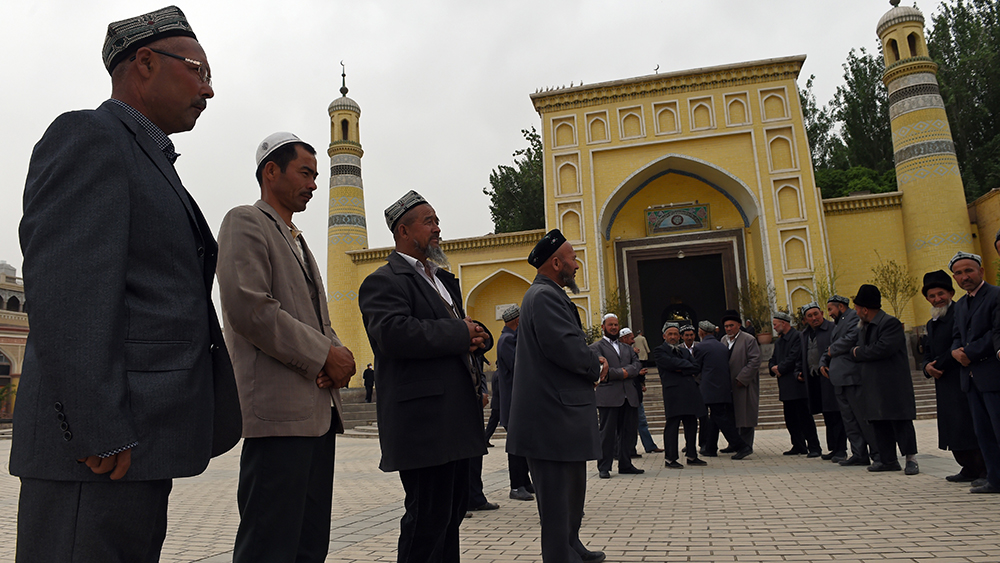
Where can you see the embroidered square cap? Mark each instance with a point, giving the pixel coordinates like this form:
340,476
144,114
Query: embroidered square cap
126,36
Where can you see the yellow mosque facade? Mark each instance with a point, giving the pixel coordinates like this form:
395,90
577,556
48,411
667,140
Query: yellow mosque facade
678,189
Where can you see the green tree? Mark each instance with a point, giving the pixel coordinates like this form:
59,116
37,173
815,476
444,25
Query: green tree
861,106
516,192
824,142
965,43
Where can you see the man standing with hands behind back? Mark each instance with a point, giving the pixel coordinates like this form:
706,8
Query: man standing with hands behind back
126,382
553,413
289,363
430,418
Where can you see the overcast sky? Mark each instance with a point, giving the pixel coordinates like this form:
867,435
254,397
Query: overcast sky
443,85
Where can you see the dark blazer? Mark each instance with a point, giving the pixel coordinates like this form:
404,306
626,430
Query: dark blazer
822,395
976,332
885,371
506,349
616,390
553,410
429,409
277,326
681,395
838,359
711,357
954,416
788,357
125,346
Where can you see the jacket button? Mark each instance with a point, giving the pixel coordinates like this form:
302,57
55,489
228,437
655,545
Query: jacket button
60,417
59,407
201,251
67,435
63,426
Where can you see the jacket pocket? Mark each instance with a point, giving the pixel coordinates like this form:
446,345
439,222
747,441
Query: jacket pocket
577,397
159,355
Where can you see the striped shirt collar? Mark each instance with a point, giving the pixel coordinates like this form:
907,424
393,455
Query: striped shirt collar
159,137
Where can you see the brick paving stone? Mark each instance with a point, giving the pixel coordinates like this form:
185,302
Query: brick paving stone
767,508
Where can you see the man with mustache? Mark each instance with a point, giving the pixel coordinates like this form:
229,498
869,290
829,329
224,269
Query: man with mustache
553,411
974,346
617,401
954,417
126,382
822,395
289,363
430,418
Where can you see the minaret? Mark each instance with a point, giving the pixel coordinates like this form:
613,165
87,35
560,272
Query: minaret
347,229
935,217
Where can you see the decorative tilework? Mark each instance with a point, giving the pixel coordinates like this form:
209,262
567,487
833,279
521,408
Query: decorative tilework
348,239
347,220
340,296
938,240
928,171
920,127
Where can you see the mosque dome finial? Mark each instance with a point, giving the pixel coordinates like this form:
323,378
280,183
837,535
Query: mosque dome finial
343,76
343,102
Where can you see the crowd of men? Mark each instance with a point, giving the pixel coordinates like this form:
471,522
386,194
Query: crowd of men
129,382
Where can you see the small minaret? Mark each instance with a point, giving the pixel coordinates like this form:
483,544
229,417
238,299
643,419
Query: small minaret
935,216
347,229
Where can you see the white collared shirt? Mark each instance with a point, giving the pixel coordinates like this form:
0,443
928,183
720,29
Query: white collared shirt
614,344
432,279
732,340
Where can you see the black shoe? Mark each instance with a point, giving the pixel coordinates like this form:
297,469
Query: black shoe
656,450
855,460
672,465
468,515
593,557
878,466
696,461
530,488
794,451
487,506
521,494
911,468
489,445
727,450
960,478
635,456
979,482
827,457
605,474
631,470
814,454
838,458
743,453
708,454
987,488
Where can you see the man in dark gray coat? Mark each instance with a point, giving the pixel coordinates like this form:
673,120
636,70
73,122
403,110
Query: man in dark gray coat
430,418
954,416
974,346
786,365
126,382
553,412
822,395
885,378
517,466
711,357
617,400
845,375
681,397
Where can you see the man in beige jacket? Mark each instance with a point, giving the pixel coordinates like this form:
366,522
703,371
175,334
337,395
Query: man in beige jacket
288,361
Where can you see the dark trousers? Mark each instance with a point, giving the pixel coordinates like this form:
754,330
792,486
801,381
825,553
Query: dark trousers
560,491
619,427
476,496
517,468
747,433
724,419
708,434
670,436
368,393
859,431
491,425
889,433
836,437
801,426
436,500
972,463
91,522
284,497
985,407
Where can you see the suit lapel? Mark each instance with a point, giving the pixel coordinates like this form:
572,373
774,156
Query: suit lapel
401,266
286,234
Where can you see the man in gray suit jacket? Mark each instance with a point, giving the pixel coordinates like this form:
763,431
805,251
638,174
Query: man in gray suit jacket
125,368
289,363
617,400
845,374
744,369
430,418
553,413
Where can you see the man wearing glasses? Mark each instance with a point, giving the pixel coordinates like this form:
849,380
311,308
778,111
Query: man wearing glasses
127,383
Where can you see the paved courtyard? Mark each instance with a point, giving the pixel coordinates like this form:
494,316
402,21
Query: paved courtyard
766,508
